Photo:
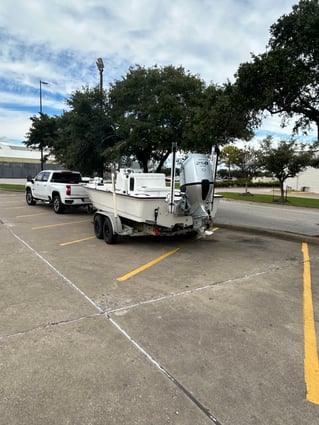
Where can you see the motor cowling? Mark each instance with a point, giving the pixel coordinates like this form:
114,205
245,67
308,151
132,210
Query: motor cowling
197,182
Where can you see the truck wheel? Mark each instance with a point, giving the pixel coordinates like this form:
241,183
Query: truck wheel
57,204
109,236
29,198
98,226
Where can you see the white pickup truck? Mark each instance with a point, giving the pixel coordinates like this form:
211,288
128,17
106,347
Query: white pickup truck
62,188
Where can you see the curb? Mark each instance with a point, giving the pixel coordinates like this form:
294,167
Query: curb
288,236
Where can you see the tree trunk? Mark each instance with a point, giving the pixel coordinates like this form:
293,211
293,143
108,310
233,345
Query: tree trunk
161,162
145,167
282,191
246,186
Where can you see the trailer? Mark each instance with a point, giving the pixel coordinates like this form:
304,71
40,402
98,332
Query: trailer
136,204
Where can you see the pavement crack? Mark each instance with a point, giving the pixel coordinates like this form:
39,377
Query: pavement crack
217,285
49,325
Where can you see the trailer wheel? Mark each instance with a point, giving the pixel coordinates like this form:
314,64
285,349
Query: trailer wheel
98,226
109,236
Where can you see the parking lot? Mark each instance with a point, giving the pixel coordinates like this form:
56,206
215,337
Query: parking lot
153,331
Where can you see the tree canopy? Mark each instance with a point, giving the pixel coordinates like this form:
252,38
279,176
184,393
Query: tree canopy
219,118
140,117
42,132
285,79
85,131
80,135
150,109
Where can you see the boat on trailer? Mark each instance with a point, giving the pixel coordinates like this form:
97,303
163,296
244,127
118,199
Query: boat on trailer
136,204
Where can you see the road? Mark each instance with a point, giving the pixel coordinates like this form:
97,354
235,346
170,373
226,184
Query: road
266,216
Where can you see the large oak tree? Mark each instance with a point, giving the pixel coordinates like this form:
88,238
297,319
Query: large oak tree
150,109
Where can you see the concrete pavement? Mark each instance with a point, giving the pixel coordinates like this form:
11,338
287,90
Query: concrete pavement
12,181
211,334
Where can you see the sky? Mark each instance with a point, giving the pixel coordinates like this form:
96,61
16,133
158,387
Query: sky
58,42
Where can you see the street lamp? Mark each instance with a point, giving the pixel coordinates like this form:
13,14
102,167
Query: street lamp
41,147
100,67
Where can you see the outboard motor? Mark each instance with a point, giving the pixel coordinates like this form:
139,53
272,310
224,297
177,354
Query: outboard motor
197,183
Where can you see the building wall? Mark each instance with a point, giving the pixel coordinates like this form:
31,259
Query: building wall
18,161
307,181
20,170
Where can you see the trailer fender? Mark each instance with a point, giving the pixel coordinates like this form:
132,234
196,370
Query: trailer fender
115,221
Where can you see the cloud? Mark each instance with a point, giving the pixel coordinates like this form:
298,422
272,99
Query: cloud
59,41
17,124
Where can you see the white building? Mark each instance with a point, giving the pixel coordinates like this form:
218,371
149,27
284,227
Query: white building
306,181
20,153
18,161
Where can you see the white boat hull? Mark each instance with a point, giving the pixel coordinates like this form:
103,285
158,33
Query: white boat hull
142,208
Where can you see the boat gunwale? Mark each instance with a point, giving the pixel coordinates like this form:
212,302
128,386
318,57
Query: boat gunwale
141,196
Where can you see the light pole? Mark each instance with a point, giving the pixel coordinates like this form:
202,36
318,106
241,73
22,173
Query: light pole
41,147
100,67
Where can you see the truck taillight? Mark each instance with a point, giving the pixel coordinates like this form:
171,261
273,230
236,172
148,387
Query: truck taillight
68,190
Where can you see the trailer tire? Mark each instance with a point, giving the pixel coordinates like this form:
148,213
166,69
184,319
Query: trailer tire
98,226
109,236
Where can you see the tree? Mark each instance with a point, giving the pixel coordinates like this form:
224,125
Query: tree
151,109
248,163
79,137
230,156
286,160
219,118
42,132
85,131
285,79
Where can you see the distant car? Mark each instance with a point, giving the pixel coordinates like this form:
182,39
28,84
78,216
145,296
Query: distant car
168,179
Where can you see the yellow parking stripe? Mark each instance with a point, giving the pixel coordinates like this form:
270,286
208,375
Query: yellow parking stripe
32,215
150,264
60,224
311,364
77,241
147,265
13,208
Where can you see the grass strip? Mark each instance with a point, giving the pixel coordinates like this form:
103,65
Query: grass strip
16,187
270,199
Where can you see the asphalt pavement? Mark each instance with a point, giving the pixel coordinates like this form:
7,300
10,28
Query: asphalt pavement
252,216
